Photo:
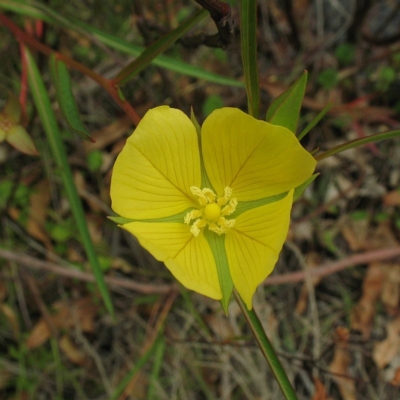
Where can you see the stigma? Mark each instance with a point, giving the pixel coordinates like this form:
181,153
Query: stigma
212,211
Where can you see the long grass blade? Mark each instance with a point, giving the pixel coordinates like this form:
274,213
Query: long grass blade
357,142
48,119
248,33
40,11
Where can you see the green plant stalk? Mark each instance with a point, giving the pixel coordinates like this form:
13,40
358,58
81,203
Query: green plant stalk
48,119
357,142
160,45
267,349
248,36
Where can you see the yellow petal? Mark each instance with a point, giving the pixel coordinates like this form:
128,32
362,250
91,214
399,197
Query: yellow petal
20,139
254,243
254,158
159,163
189,258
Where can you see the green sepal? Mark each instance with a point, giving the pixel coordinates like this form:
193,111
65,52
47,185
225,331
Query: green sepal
298,192
217,245
179,218
62,83
121,220
244,206
285,109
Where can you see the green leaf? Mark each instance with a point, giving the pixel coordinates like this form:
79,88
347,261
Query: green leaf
328,78
49,122
345,53
212,103
248,35
285,109
65,98
160,45
356,143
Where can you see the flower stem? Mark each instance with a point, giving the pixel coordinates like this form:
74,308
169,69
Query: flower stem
267,349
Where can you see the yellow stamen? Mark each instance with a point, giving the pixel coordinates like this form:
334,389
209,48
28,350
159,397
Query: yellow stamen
210,212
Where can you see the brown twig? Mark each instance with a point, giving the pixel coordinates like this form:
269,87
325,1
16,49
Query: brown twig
293,277
33,263
336,266
220,12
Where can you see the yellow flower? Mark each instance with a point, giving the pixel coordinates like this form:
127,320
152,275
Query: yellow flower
213,203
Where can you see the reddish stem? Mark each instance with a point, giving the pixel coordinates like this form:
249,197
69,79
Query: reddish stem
30,41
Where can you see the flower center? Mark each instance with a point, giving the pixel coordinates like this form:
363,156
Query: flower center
212,211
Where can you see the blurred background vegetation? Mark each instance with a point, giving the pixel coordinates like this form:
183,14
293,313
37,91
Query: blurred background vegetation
337,335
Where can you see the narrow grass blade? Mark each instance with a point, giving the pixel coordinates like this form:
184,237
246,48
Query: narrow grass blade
160,45
155,371
40,11
298,192
65,98
266,348
51,129
248,33
357,142
315,121
139,364
285,109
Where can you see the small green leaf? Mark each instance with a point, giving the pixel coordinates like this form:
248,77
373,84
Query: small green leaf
212,103
65,98
94,160
345,53
285,109
328,78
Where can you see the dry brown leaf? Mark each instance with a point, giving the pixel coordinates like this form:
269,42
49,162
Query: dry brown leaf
382,236
12,319
38,202
340,366
320,391
384,351
396,379
355,233
66,314
109,134
392,198
5,377
391,289
3,290
221,327
73,353
362,315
